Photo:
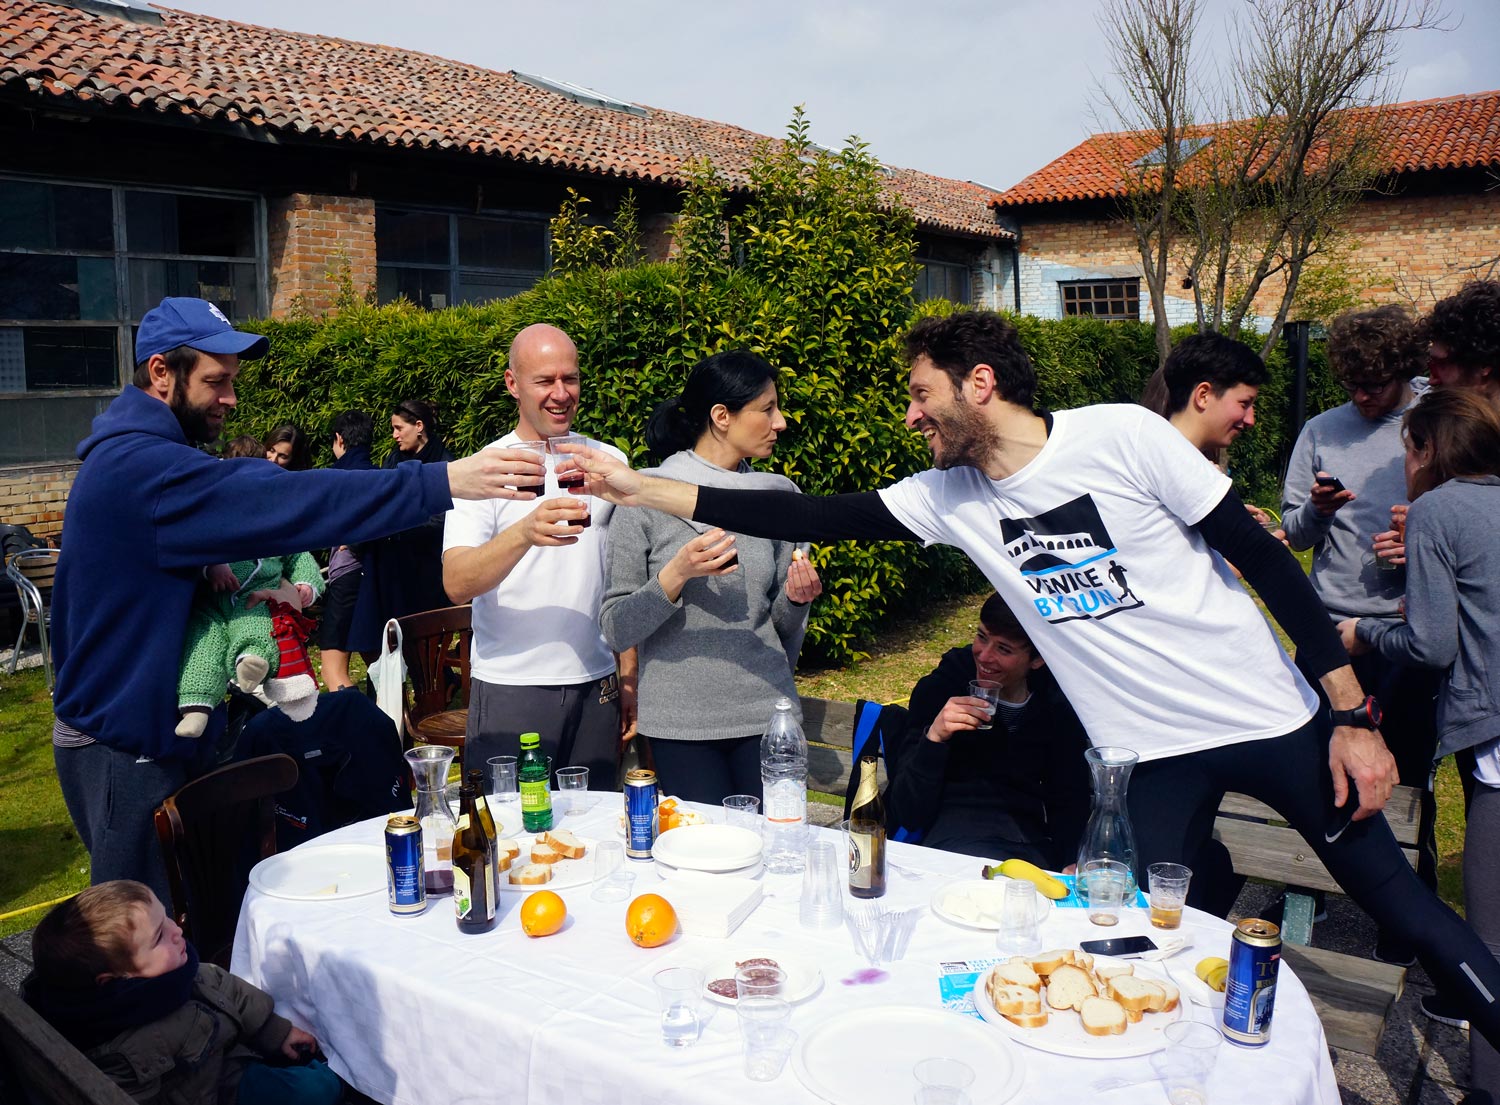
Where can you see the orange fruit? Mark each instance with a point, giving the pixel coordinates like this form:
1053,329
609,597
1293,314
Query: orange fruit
666,814
650,921
542,913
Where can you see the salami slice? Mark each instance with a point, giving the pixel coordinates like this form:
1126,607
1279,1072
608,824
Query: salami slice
724,987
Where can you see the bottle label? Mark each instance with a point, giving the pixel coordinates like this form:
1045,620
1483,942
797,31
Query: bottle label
536,796
786,802
864,854
463,902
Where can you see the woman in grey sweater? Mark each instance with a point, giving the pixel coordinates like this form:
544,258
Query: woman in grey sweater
1453,622
718,618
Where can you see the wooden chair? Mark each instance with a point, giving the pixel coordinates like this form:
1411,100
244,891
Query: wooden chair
212,831
38,1066
32,572
435,644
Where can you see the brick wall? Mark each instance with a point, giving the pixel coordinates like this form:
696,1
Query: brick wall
34,497
311,238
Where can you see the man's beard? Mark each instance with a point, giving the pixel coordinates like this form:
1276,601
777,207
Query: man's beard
197,427
967,437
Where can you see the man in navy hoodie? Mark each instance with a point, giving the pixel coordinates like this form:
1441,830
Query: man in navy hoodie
146,512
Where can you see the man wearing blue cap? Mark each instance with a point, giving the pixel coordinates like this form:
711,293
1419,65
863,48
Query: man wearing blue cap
146,512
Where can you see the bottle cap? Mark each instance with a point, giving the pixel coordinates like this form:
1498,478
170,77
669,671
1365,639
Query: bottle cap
530,740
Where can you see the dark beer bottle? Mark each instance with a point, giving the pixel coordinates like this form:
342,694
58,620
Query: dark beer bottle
867,835
486,818
473,867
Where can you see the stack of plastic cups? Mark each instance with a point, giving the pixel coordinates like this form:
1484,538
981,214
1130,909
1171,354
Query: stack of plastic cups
822,887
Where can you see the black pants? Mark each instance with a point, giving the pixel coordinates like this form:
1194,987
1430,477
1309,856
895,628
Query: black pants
579,725
1173,802
708,771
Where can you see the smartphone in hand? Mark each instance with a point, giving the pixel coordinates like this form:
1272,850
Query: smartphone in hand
1329,481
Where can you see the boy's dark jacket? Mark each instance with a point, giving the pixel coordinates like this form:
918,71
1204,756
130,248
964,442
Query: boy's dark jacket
145,514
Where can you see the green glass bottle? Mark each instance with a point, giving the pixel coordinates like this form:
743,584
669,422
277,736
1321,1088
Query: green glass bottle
536,788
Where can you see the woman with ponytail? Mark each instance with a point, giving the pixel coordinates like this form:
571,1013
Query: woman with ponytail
718,617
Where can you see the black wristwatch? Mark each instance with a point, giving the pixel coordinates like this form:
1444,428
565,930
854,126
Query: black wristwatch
1366,715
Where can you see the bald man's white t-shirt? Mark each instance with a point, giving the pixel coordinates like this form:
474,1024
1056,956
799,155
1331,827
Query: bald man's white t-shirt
1157,645
540,626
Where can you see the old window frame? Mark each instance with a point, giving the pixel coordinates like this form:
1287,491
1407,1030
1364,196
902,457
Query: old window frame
1125,290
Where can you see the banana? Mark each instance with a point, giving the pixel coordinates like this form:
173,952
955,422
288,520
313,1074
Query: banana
1030,872
1214,971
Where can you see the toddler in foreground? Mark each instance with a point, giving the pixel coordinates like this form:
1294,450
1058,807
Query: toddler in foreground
114,975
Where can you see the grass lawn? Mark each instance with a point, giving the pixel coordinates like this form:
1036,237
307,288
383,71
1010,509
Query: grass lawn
44,860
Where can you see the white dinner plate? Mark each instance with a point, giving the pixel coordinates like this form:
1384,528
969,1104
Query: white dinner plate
322,872
979,892
715,848
566,873
1063,1033
868,1054
754,871
803,979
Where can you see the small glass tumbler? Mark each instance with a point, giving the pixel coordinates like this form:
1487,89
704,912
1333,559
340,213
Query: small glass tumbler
988,690
502,779
1018,933
742,810
1106,880
1168,884
943,1082
679,996
822,904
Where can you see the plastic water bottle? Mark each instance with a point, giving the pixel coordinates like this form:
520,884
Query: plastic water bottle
783,776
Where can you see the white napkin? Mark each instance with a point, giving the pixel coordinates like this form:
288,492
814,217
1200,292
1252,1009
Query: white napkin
711,905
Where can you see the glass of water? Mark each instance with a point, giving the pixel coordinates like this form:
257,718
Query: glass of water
679,994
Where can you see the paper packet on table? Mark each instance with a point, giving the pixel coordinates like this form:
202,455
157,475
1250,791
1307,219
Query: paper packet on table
957,979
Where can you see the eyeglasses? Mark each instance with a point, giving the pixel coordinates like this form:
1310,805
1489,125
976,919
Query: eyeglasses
1369,387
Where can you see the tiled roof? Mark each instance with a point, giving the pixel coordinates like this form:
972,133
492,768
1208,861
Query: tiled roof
1456,132
220,71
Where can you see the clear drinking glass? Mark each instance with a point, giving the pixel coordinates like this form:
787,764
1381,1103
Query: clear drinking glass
540,449
679,995
612,882
1168,883
759,982
823,887
573,785
988,690
742,810
1108,882
1018,933
502,779
943,1081
1185,1064
766,1053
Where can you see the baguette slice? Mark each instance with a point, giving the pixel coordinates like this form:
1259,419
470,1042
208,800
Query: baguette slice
1014,1000
1028,1020
544,853
1158,996
1107,971
1134,1016
1135,993
1103,1017
1069,987
533,874
565,842
1018,972
1083,960
502,861
508,847
1048,962
1172,995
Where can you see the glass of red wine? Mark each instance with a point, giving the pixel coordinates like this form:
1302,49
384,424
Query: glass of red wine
571,478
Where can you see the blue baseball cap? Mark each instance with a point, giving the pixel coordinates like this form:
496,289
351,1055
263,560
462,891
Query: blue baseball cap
197,324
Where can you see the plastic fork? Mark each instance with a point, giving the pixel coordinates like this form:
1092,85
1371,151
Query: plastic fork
861,927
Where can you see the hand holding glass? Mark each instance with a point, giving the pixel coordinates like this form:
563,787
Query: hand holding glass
988,690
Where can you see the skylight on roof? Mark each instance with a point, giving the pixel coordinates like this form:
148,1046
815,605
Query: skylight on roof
1186,147
137,11
578,93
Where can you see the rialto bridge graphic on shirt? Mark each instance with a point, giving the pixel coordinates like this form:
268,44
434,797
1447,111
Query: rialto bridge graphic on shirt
1069,562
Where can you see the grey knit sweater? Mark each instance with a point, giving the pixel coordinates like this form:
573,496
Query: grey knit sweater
1452,607
713,663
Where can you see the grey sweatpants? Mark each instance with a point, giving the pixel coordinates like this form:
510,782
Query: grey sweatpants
579,725
1482,910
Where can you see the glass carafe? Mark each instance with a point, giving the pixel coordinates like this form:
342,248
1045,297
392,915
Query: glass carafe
429,768
1109,835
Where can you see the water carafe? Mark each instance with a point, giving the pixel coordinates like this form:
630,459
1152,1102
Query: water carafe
429,768
1109,835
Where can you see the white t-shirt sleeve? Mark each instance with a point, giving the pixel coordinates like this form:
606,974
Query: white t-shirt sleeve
1169,467
469,524
916,503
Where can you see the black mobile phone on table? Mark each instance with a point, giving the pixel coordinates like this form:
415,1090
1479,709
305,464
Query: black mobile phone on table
1329,481
1121,947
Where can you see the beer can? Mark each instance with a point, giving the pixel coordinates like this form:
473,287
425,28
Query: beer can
406,890
641,797
1250,986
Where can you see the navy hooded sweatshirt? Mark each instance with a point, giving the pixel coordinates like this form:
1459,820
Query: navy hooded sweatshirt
147,511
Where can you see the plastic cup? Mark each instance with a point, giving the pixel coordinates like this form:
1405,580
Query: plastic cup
942,1082
502,779
1018,933
540,449
1168,883
988,690
759,982
679,997
766,1054
612,882
573,785
742,810
822,887
1185,1064
1105,881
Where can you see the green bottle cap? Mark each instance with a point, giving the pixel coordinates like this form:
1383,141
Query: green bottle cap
530,740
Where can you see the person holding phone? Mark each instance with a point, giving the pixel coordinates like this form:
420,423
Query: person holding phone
1452,626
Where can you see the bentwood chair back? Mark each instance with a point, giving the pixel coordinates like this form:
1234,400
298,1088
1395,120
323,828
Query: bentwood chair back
212,831
32,572
435,645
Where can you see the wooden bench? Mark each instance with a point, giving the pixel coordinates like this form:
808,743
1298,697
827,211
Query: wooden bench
1352,995
39,1067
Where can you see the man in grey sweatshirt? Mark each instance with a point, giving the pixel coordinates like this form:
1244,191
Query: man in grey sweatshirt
1374,355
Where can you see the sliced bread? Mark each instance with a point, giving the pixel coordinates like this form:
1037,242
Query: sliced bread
565,842
1048,962
533,874
1103,1017
1173,995
1135,993
1028,1020
1083,960
1107,971
1018,972
508,847
544,853
1012,1000
1068,988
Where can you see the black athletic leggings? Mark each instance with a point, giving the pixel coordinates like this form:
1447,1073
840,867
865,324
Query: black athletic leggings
707,771
1172,806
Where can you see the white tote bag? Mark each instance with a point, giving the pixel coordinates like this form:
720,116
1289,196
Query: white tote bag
388,674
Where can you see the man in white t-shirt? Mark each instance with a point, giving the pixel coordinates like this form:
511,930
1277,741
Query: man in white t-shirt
1098,526
535,573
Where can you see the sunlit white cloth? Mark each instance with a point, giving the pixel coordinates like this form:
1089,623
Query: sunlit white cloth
412,1012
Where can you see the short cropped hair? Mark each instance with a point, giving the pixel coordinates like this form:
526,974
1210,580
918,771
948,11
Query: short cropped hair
88,935
356,428
1383,342
244,447
1212,359
1468,323
996,616
967,338
180,360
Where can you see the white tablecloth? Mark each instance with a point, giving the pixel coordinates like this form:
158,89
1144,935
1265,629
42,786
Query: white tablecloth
412,1012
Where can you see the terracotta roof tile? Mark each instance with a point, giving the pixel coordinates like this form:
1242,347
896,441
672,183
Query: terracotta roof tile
357,92
1456,132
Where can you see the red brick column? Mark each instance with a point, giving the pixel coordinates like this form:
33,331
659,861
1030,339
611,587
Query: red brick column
312,240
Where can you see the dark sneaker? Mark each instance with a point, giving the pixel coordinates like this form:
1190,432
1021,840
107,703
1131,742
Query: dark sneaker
1396,952
1444,1010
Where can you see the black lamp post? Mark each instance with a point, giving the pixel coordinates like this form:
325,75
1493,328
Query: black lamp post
1296,335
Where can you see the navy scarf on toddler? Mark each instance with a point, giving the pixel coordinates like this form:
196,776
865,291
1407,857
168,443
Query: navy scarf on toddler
91,1015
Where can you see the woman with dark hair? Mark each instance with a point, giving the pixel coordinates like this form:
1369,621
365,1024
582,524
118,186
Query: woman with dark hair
288,447
710,611
1453,625
403,573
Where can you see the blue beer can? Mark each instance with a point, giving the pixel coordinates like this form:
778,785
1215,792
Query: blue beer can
1250,985
641,797
406,889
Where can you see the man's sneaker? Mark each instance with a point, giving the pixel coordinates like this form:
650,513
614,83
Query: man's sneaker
1444,1010
1398,953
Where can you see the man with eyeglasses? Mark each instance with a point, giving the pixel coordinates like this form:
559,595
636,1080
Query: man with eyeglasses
1374,355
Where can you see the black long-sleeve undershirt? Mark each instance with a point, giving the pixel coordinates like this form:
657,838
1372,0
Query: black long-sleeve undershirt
863,516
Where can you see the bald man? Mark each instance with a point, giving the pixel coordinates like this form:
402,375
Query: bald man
535,574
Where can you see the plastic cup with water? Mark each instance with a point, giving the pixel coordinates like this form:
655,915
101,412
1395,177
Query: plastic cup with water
503,786
679,996
1107,881
989,691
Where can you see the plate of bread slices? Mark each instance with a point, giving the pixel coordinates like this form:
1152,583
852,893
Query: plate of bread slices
1071,1003
556,859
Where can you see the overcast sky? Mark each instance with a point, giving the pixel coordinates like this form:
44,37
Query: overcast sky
983,90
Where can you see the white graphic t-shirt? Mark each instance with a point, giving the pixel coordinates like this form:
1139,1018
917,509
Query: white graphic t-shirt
1156,644
540,626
